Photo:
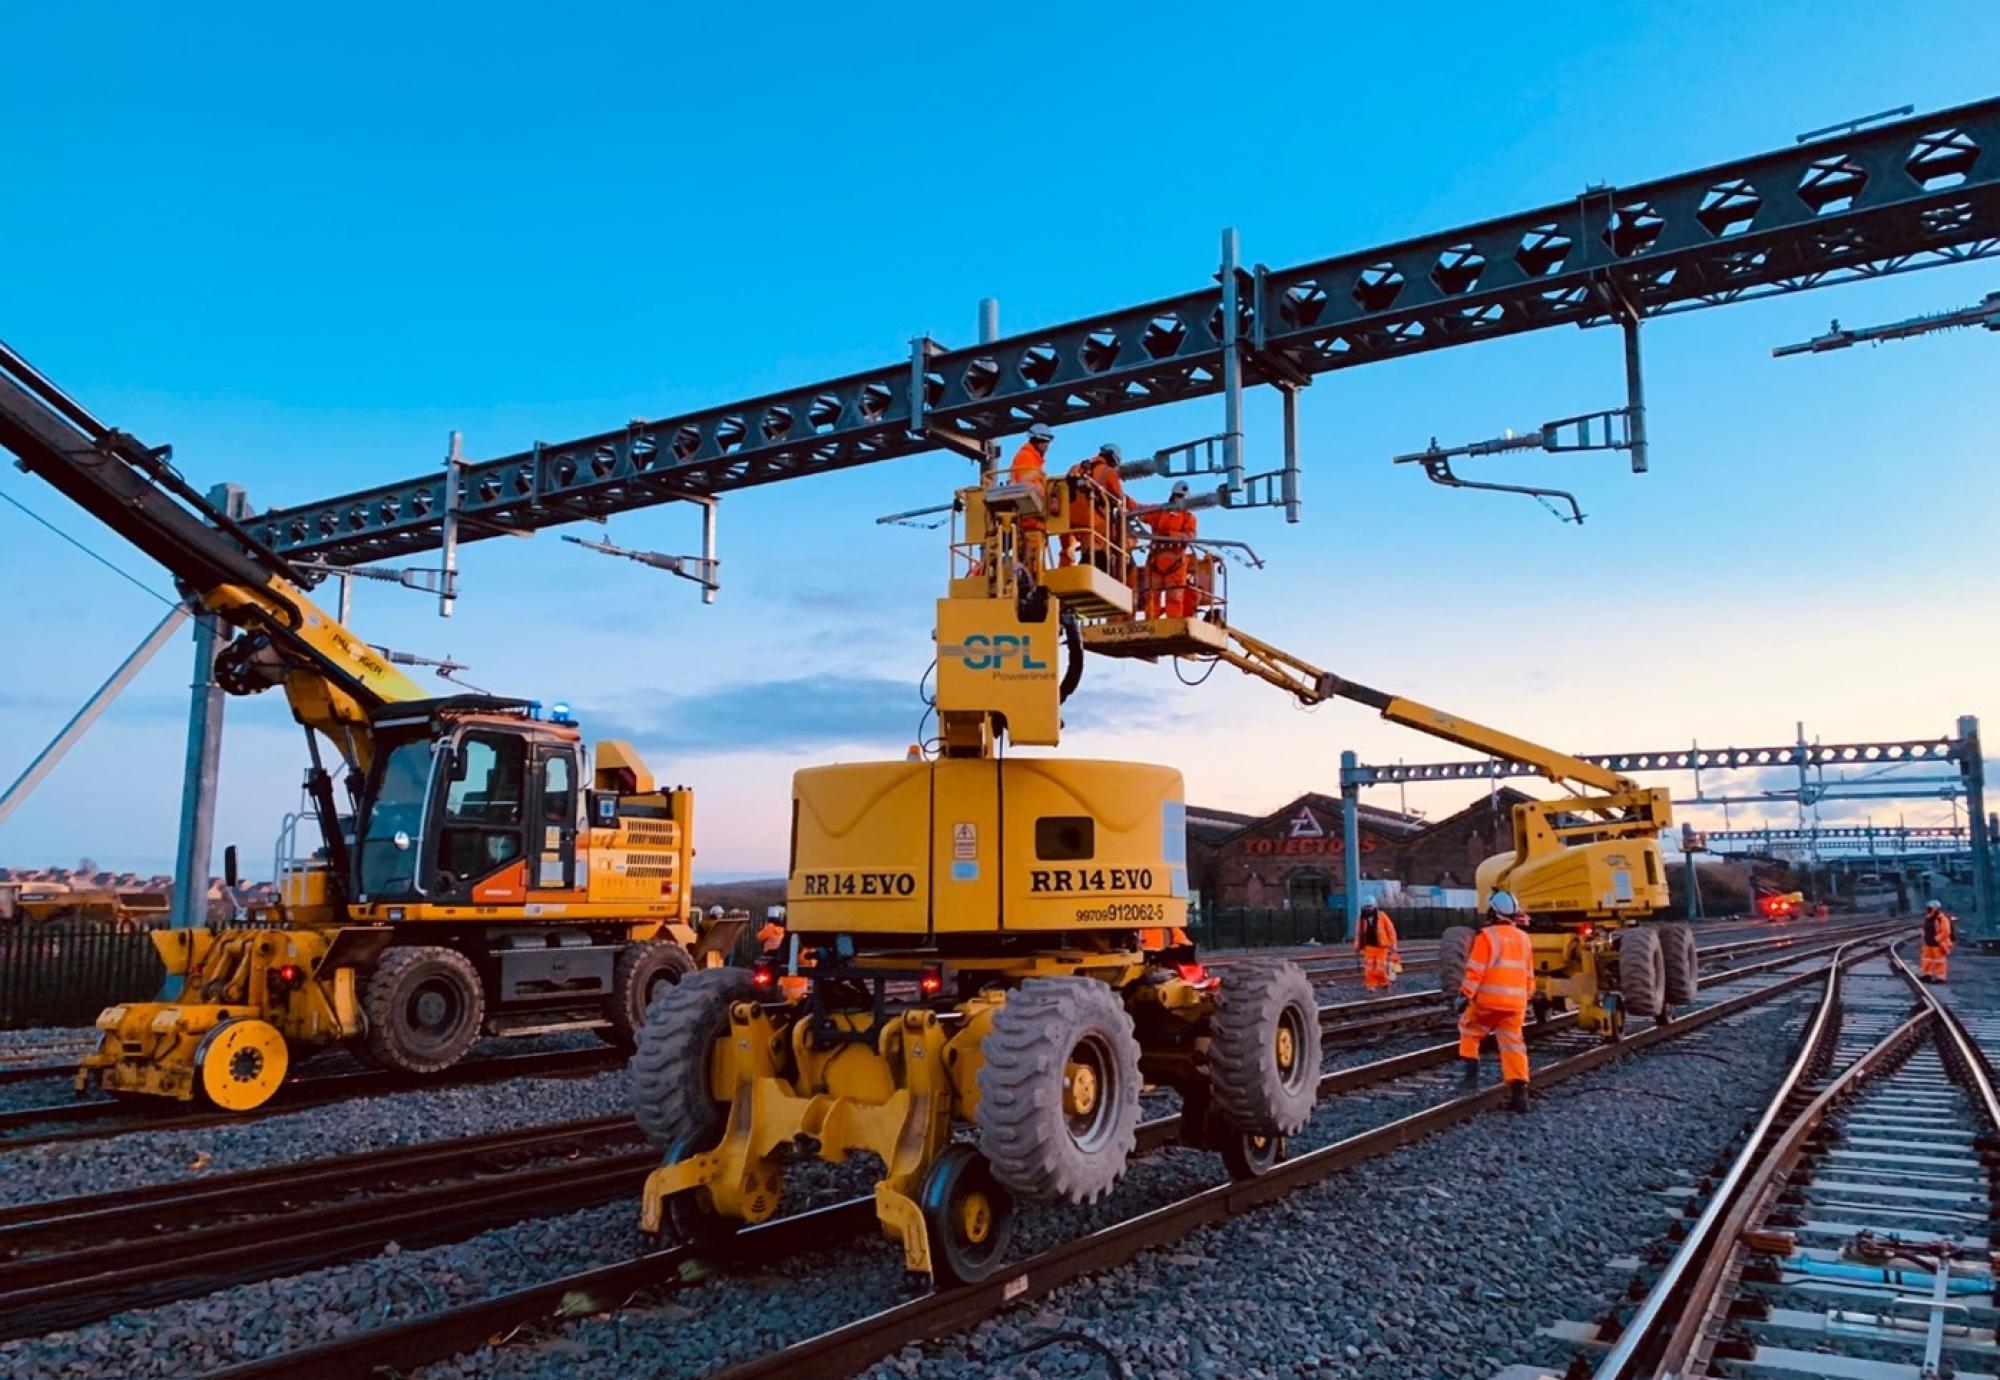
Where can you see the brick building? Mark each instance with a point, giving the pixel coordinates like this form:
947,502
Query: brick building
1292,858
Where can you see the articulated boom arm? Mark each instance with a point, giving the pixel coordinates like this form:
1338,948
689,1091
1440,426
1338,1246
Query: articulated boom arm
1311,685
332,678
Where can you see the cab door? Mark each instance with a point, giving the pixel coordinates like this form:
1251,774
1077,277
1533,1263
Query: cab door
554,830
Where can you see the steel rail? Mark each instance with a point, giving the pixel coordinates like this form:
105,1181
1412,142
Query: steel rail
70,1262
846,1349
437,1336
1682,1311
1695,1327
295,1096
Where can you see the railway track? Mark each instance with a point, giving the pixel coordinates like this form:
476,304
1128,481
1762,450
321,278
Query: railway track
445,1333
96,1119
1852,1237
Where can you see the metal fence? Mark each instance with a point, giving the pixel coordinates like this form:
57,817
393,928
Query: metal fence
63,975
1236,927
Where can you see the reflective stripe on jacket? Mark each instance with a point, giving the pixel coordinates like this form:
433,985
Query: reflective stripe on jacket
1500,969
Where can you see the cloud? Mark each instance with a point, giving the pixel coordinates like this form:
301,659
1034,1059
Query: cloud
818,711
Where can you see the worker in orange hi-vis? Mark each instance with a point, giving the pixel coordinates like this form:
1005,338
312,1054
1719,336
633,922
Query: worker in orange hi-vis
1375,941
1938,927
1029,467
1170,560
1493,999
1097,509
772,937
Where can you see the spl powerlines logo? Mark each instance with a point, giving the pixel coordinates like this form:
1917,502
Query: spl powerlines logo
1011,656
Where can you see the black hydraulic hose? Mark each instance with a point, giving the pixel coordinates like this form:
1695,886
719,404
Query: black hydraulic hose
1072,632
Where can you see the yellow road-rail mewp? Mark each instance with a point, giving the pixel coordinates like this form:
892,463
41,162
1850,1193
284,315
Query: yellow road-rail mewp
991,942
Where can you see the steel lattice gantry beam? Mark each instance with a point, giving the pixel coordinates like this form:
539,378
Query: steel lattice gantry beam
1940,839
1881,200
1792,755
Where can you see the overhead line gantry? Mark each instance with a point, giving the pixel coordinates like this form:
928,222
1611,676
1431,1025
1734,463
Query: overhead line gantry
1859,203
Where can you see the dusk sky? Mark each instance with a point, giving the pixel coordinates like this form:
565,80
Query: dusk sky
303,250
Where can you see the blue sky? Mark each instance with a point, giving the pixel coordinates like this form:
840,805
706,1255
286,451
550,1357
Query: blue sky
303,249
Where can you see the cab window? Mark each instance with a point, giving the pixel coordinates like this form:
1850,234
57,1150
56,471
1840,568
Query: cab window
558,804
483,807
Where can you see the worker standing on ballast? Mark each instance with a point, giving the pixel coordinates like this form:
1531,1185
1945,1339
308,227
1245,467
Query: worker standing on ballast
1170,559
1493,999
1938,927
1375,941
1029,467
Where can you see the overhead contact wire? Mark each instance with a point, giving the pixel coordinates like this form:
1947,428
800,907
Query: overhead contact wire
102,560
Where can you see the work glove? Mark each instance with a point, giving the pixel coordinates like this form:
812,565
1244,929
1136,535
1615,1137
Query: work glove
1459,1003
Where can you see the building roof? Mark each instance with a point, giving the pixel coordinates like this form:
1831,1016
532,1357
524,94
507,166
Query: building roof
1391,822
1506,797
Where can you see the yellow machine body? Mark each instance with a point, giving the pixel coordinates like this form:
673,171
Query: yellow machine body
156,1048
982,846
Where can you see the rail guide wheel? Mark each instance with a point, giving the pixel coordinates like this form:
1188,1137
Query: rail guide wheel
240,1065
968,1216
1247,1155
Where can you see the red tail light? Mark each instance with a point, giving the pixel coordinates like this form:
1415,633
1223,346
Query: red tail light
1587,931
930,979
764,973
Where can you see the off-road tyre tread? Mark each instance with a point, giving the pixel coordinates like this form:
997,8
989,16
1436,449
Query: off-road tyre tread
1683,962
379,1002
1243,1071
635,967
1021,1124
1641,973
666,1078
1454,952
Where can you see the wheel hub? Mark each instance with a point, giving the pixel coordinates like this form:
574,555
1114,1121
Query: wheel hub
246,1065
431,1008
1287,1049
1079,1090
975,1216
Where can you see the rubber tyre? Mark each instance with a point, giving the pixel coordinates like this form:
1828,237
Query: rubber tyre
1454,949
1036,1145
666,1078
1683,980
642,972
1642,973
1264,1011
425,1008
962,1253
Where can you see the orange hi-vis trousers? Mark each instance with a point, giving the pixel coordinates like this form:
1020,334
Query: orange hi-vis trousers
1375,968
1476,1022
1932,961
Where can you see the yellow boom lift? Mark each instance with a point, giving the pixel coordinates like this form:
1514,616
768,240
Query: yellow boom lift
993,939
487,877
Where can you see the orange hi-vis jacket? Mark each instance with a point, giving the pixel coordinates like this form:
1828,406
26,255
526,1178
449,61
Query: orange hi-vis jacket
1500,969
1385,933
772,936
1937,931
1029,467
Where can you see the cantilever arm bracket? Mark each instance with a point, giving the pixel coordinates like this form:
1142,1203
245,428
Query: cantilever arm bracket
1437,468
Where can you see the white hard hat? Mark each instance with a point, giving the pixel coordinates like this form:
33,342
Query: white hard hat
1110,450
1932,905
1180,488
1038,432
1503,903
715,911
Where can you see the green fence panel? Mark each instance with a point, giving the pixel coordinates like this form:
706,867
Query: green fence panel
62,975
